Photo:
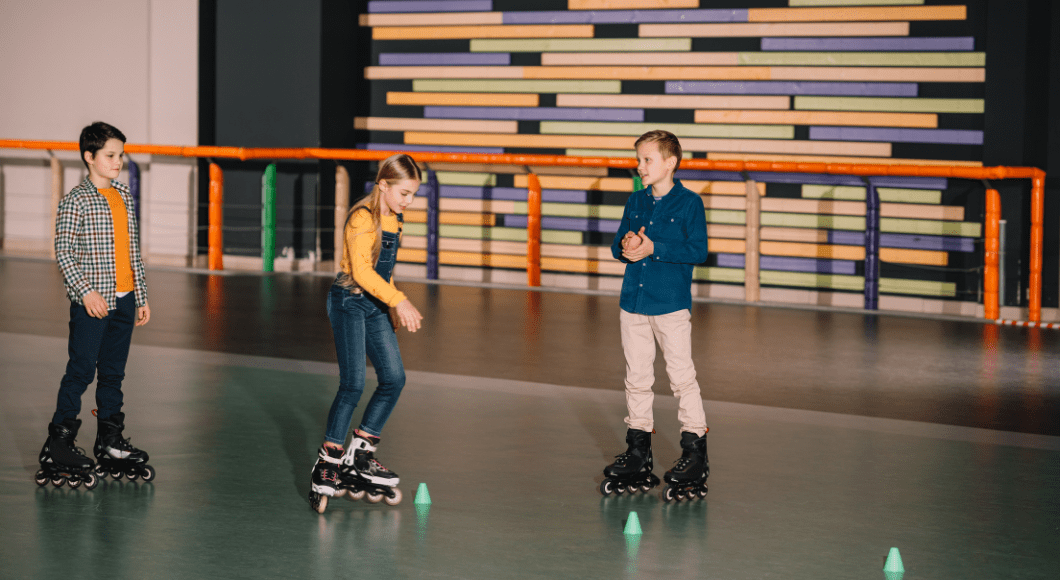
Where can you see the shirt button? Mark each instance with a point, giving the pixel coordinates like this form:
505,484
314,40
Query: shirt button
650,223
642,285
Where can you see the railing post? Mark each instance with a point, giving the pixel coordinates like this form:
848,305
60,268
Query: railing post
752,289
134,187
433,195
215,236
533,231
342,205
991,245
872,247
1034,284
268,218
57,194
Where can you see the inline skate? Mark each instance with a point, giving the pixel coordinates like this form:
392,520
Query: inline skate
688,478
327,477
61,462
364,477
115,455
631,470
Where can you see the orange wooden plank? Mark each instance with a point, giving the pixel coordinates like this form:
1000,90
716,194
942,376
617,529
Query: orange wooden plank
724,156
925,257
858,119
804,235
460,32
814,206
857,14
639,58
722,188
786,146
465,99
725,246
451,204
755,29
451,218
922,211
651,72
727,231
675,101
768,248
456,125
503,140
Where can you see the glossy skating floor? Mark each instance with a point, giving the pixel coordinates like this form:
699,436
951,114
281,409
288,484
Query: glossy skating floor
834,436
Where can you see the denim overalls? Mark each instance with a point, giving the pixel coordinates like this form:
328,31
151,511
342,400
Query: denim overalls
361,325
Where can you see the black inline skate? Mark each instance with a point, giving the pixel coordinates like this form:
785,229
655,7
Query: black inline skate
364,477
115,455
327,478
688,478
61,462
631,470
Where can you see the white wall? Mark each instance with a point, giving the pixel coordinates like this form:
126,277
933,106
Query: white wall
131,63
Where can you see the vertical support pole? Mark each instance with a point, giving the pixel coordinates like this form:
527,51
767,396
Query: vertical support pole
872,247
134,187
215,236
991,309
268,218
342,205
57,194
637,184
1034,284
752,290
533,231
433,196
1001,253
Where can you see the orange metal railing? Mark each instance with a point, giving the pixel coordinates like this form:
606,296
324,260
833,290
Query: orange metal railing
1037,177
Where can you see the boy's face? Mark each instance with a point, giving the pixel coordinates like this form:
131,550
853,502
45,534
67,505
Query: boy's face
107,162
398,196
651,166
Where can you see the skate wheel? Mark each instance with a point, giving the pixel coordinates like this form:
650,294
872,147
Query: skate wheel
668,494
318,502
374,498
393,499
100,471
620,488
355,495
91,481
679,494
75,483
132,475
116,474
149,473
703,493
58,481
607,487
340,493
41,478
646,487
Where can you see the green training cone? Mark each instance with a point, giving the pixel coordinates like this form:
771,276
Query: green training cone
894,562
633,525
423,497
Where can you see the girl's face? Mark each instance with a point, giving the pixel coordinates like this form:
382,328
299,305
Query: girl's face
398,195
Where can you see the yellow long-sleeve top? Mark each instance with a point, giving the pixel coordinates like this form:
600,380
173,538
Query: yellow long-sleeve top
357,256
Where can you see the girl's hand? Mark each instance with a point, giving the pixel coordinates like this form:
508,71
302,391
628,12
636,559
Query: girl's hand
408,316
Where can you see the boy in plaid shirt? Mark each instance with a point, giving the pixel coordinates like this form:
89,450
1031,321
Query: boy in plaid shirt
98,250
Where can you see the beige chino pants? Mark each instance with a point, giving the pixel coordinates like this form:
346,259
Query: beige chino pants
674,333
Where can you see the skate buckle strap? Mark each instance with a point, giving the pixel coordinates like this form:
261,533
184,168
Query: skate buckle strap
323,455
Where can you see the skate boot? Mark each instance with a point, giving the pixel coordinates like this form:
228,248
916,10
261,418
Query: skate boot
631,470
327,478
115,455
61,462
688,478
364,476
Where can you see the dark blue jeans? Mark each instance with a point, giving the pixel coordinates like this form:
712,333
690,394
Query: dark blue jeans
96,345
362,329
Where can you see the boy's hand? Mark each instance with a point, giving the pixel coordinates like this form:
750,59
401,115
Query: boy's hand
408,316
630,241
640,250
143,315
95,305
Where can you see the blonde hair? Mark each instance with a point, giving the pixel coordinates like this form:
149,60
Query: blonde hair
393,169
666,141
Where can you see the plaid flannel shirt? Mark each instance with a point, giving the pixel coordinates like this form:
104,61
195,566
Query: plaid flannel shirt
84,244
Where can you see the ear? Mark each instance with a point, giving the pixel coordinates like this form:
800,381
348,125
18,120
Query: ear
671,163
88,157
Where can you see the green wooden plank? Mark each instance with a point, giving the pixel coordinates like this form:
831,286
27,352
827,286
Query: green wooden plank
812,280
795,220
679,129
726,216
464,178
839,192
414,229
581,45
917,287
889,104
497,233
887,194
911,59
930,227
515,86
712,274
580,210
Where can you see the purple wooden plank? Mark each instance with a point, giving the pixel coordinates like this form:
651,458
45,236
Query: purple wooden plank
838,89
844,238
512,193
910,182
786,264
816,179
874,44
535,113
391,6
441,148
708,175
566,223
937,243
624,16
444,58
895,135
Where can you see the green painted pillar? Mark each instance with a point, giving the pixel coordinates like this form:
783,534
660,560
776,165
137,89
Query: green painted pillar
268,218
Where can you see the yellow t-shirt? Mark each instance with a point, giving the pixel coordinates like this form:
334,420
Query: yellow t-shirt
357,256
118,214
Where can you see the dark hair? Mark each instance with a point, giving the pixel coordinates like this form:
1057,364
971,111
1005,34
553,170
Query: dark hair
95,136
666,141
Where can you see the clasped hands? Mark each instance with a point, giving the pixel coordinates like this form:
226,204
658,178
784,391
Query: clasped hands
637,246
